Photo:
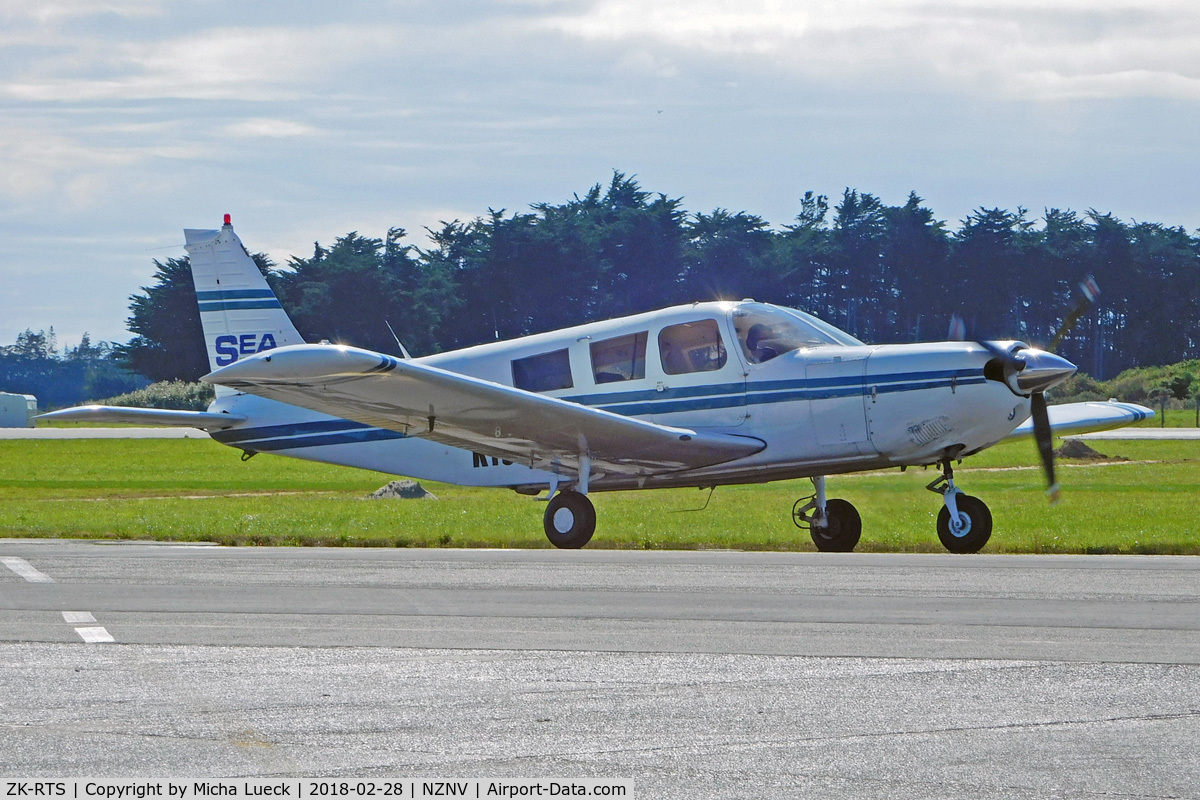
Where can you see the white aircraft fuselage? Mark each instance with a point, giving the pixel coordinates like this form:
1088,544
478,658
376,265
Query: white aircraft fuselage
835,406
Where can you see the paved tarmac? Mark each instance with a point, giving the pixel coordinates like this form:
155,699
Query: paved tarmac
1143,433
706,674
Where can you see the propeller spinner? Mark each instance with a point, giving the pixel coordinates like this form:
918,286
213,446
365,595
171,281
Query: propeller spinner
1031,371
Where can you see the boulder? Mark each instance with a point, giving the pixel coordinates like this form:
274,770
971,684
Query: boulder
1076,448
402,490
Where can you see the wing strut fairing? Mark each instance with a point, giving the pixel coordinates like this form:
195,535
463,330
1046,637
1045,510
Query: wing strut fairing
485,417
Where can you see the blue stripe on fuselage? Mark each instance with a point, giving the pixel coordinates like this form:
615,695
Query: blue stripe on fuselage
322,440
237,305
700,398
632,403
304,434
234,294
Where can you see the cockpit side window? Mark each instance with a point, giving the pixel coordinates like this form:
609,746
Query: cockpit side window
691,347
545,372
622,358
766,332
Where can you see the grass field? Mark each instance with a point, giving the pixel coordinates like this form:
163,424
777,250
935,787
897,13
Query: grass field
1171,418
197,490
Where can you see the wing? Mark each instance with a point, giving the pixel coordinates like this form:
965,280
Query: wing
461,411
146,416
1087,417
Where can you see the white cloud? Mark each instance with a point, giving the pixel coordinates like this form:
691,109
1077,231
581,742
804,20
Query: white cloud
260,127
52,11
122,119
224,63
41,162
1036,50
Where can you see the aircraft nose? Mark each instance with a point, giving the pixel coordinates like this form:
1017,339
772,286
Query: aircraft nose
1042,370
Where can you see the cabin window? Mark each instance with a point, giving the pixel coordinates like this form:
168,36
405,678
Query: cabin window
622,358
691,347
543,373
766,331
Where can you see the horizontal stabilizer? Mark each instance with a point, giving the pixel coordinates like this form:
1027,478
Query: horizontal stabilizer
1071,418
145,416
488,418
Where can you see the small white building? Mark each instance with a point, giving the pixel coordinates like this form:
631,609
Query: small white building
17,410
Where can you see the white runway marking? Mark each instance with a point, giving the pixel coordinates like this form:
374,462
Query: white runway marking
22,568
95,635
78,617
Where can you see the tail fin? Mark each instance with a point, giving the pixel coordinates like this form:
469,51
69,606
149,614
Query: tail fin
238,311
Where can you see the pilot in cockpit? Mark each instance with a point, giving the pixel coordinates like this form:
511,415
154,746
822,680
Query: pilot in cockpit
759,341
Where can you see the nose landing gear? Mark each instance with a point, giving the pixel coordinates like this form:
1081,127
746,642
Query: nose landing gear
964,524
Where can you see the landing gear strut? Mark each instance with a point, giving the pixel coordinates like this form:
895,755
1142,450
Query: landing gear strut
834,525
964,524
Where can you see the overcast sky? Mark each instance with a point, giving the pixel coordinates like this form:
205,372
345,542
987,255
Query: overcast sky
124,121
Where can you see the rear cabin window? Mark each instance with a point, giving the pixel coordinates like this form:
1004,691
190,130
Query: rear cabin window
543,373
691,347
622,358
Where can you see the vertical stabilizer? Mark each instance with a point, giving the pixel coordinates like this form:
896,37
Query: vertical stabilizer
240,314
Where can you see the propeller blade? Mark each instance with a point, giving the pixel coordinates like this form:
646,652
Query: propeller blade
1045,442
1089,291
958,329
1006,356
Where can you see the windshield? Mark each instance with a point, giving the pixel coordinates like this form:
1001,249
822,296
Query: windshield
766,331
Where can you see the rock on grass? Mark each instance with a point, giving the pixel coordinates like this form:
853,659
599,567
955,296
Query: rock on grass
1075,448
402,490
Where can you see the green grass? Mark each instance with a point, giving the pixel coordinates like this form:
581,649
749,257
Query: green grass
197,490
1174,417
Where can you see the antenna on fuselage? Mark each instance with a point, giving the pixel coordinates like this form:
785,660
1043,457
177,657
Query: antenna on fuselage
399,344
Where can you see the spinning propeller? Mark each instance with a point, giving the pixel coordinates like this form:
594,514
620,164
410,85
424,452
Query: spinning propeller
1031,371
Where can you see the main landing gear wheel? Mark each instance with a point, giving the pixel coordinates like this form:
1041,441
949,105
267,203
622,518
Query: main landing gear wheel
570,520
975,528
842,529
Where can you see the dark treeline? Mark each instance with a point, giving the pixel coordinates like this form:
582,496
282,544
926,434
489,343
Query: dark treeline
34,365
883,273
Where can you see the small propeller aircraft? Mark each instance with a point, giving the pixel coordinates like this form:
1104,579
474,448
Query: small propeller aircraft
699,395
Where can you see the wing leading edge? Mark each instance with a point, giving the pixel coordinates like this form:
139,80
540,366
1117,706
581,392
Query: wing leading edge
461,411
1088,417
146,416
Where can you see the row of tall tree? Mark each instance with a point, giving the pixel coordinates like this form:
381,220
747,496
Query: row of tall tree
34,365
883,273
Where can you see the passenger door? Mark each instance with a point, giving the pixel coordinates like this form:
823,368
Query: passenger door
698,381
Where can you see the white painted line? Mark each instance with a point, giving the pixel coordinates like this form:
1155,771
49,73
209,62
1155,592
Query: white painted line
78,617
22,568
94,635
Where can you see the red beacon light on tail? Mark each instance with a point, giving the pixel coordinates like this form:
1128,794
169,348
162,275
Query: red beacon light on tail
228,220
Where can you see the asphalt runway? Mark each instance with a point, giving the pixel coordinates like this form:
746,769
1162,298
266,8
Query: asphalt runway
708,674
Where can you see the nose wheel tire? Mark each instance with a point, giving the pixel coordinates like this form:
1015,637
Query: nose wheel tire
975,530
570,520
843,528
